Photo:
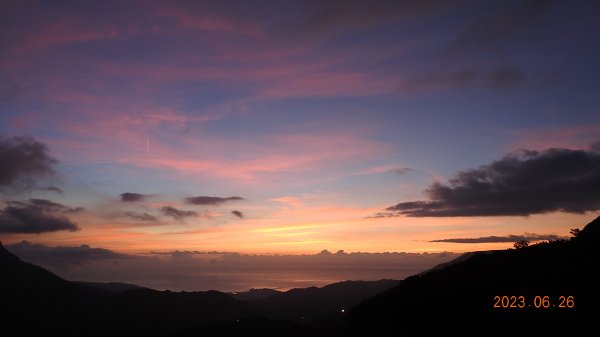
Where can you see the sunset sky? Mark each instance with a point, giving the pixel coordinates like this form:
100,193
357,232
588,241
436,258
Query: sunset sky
290,127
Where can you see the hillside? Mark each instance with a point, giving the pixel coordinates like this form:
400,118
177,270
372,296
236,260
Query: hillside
456,298
459,298
60,307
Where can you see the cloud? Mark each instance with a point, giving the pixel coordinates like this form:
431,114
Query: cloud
145,217
224,271
507,238
498,25
49,206
506,76
402,170
321,17
503,76
23,160
383,215
62,256
9,91
522,183
386,169
133,197
37,216
203,200
177,213
52,189
238,214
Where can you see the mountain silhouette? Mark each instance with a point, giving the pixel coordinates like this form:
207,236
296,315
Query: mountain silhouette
311,304
459,298
63,308
110,287
452,298
254,294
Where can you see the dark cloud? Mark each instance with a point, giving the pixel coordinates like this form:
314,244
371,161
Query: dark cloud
508,238
51,206
38,216
319,17
9,91
500,23
424,80
177,213
204,200
133,197
383,215
62,256
238,214
48,204
145,217
23,160
51,189
506,76
521,183
402,170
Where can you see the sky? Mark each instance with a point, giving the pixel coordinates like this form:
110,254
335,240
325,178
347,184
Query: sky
154,128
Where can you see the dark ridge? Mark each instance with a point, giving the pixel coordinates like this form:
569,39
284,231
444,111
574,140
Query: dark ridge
63,308
459,299
456,298
311,304
109,287
6,256
254,294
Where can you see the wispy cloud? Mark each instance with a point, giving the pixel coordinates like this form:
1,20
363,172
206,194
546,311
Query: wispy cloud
213,201
177,214
62,256
133,197
507,238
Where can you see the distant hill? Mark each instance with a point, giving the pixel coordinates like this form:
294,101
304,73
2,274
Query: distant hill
459,298
254,294
30,293
311,304
110,287
63,308
455,298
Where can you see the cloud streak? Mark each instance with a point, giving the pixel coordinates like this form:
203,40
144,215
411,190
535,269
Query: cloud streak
62,256
177,214
58,190
522,183
507,238
213,201
144,217
133,197
238,214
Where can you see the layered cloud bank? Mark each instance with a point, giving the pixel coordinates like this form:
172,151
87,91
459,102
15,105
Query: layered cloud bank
225,271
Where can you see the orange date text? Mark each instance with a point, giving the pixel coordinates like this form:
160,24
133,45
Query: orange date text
536,302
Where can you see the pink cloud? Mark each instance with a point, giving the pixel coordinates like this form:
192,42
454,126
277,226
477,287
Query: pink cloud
575,137
253,161
205,19
330,84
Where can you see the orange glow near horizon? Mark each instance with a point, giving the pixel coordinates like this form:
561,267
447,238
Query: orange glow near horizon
350,235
